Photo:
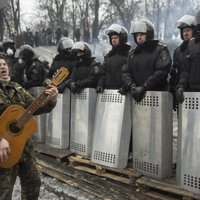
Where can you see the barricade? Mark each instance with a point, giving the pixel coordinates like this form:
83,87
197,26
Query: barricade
152,128
112,129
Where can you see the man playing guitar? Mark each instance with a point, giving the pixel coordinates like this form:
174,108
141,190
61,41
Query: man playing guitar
12,93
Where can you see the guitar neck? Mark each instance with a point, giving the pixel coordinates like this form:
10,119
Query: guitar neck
38,102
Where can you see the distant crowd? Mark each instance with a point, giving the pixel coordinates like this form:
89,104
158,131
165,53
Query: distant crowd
44,37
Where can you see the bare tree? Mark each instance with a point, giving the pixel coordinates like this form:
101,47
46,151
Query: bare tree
93,15
1,24
11,17
95,24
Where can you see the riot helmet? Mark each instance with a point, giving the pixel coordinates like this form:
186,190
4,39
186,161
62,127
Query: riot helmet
187,21
143,26
121,31
81,50
8,42
26,53
65,44
9,47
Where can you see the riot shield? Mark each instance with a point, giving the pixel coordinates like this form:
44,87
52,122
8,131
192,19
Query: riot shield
82,121
112,129
188,165
152,127
58,122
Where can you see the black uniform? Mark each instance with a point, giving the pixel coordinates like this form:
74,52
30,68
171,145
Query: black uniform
178,59
35,73
112,68
18,73
148,65
190,73
85,74
61,60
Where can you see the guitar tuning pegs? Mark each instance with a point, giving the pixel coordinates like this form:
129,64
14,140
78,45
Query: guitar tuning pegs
55,73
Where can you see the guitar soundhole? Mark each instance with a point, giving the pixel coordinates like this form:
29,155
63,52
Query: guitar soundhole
13,128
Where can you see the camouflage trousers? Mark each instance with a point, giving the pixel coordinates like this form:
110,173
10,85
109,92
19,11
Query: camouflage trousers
29,176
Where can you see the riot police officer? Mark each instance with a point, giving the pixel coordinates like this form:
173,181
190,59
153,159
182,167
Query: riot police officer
87,70
62,59
32,71
186,26
190,71
114,60
148,64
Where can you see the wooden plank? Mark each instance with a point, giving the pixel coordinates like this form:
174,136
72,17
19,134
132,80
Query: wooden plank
158,196
100,185
106,175
126,171
67,180
58,153
120,175
164,186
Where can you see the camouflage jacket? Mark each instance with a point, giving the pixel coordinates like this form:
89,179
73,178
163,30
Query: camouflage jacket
14,94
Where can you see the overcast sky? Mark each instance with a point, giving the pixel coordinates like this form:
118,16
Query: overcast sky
28,12
27,6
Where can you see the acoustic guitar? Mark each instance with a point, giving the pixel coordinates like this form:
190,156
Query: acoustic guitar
18,124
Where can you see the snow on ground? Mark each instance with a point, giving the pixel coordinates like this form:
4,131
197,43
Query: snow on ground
52,189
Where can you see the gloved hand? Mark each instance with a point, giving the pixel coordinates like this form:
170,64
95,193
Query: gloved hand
61,88
175,103
99,89
130,85
139,93
132,89
73,87
122,91
180,95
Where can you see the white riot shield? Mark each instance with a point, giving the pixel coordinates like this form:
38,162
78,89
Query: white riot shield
188,157
112,129
58,123
152,127
39,136
82,121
